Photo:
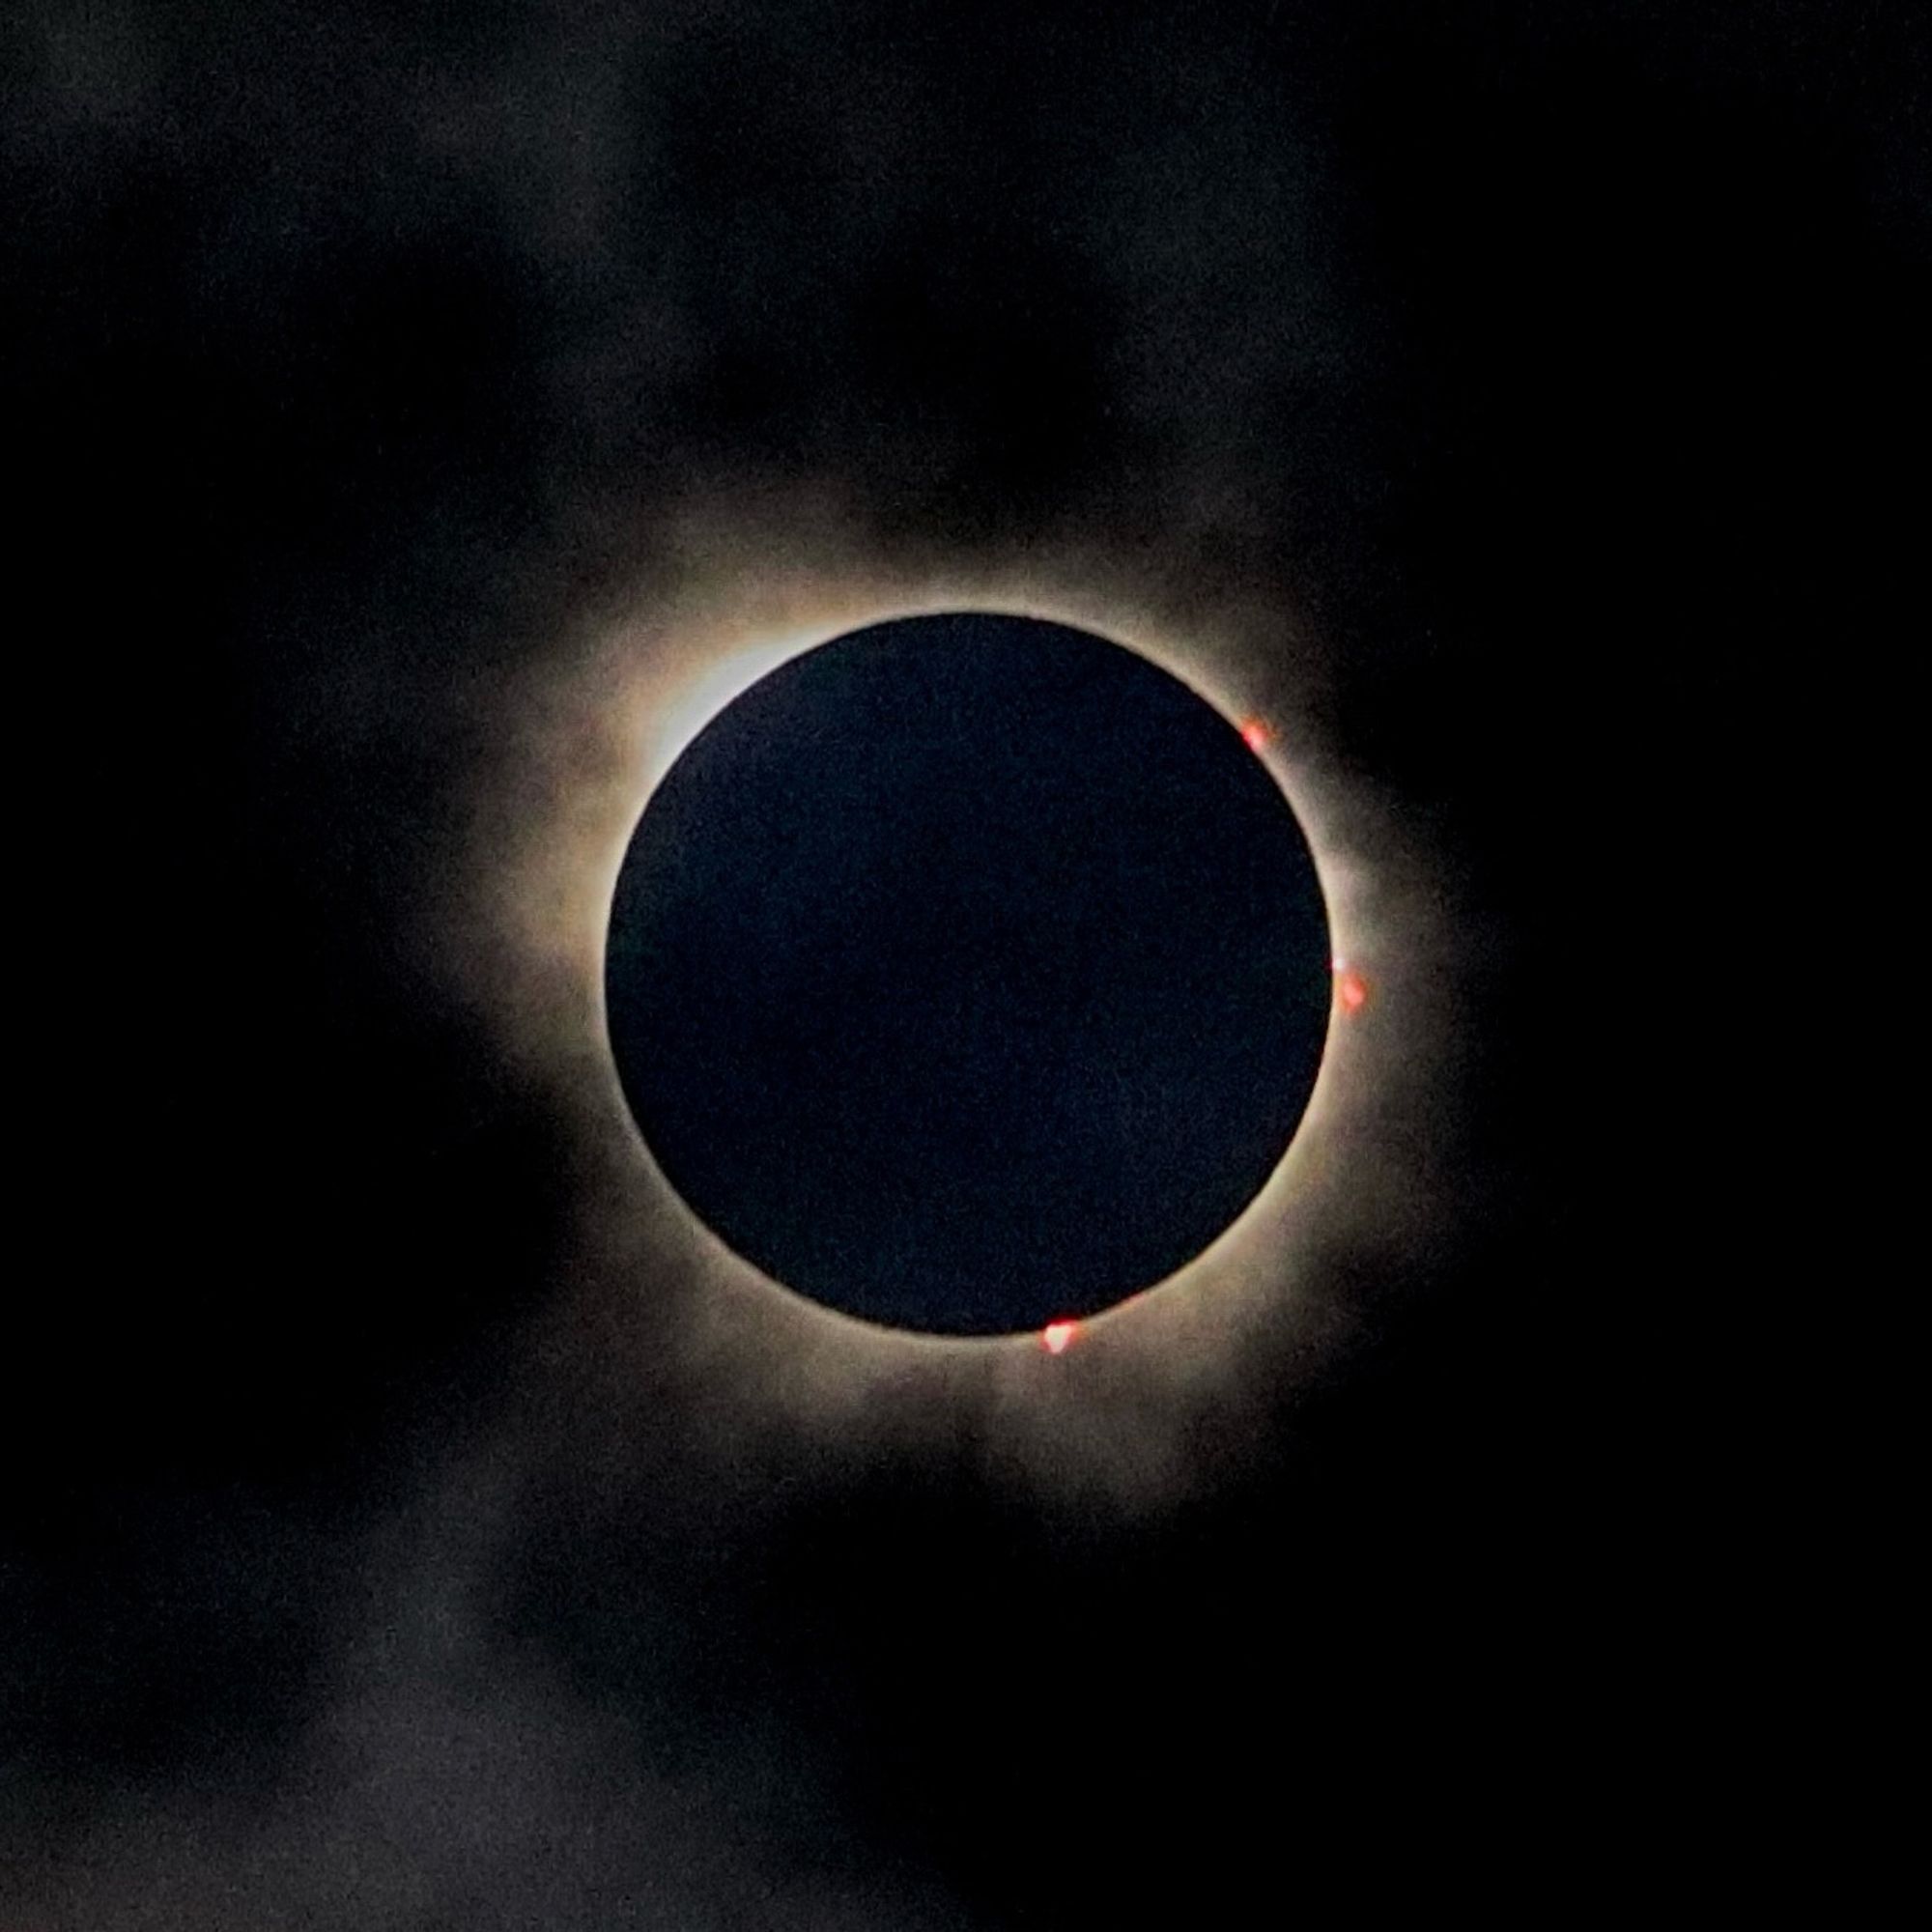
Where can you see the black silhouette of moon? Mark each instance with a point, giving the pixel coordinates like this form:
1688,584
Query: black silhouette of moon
968,973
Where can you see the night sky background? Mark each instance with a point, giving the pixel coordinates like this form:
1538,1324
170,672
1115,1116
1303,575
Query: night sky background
398,1534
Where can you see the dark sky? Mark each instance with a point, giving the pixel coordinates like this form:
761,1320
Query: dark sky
407,1525
968,974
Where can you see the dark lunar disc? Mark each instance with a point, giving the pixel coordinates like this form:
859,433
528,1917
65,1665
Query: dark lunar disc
968,972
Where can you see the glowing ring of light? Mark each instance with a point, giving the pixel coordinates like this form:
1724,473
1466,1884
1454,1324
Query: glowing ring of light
601,722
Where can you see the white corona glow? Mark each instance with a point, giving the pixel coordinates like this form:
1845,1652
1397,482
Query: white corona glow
599,720
715,687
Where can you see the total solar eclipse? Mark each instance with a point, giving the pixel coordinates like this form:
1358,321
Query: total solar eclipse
968,974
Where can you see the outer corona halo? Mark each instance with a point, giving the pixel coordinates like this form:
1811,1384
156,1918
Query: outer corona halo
1124,1399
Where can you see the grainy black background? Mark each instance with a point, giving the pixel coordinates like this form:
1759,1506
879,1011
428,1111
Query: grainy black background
1559,364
